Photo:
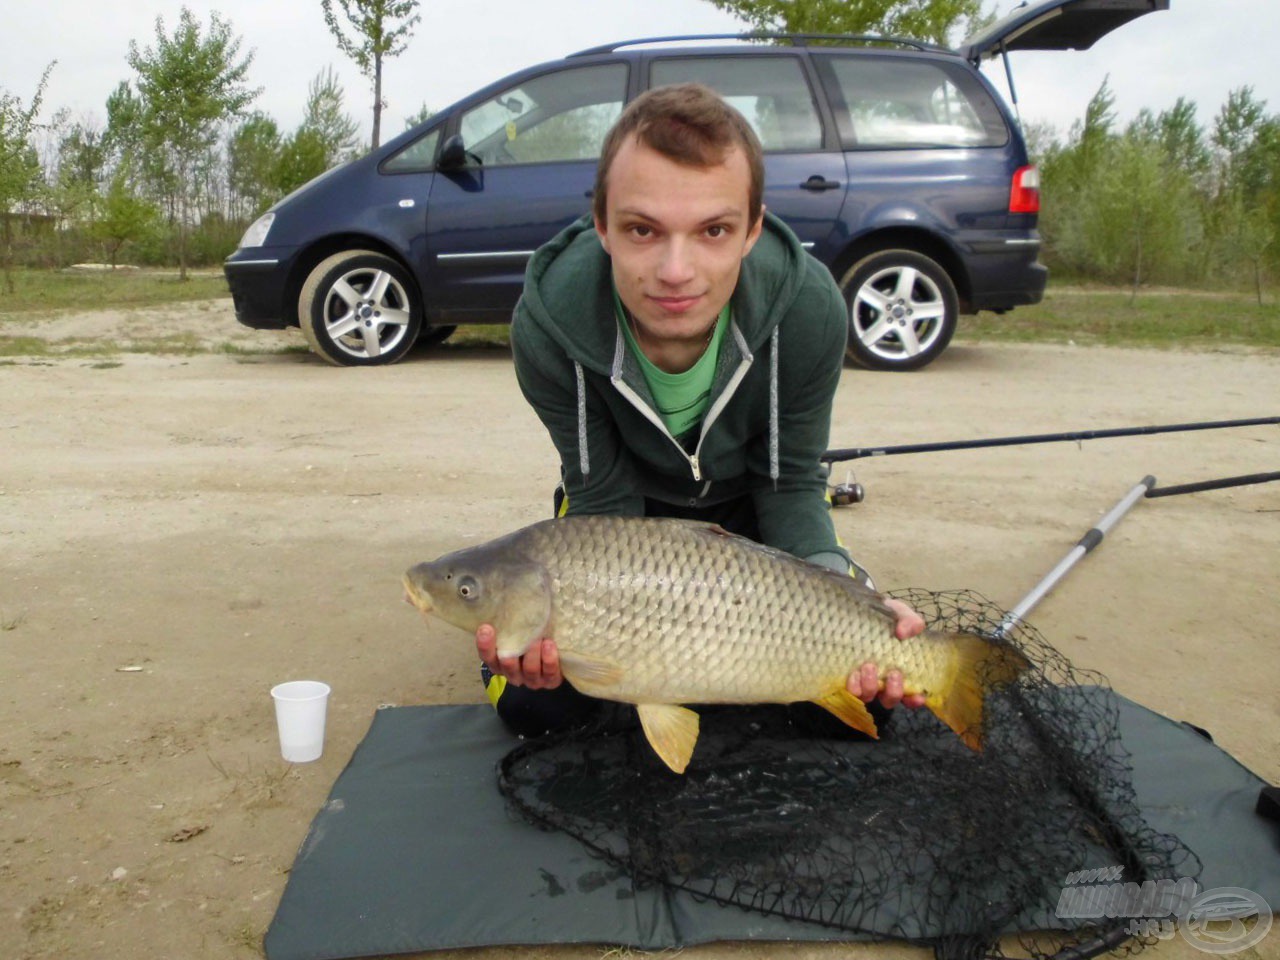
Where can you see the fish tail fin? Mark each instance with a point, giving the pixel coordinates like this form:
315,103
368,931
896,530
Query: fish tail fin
978,665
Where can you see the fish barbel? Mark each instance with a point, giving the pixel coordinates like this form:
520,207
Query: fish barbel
660,612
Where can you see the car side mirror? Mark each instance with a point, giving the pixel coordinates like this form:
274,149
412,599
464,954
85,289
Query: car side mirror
453,155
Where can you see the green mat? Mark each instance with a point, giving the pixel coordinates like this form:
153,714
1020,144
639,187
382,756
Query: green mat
415,851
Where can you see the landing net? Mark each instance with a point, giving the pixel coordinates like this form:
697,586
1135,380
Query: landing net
914,837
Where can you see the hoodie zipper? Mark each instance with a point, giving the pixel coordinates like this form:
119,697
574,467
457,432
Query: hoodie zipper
695,464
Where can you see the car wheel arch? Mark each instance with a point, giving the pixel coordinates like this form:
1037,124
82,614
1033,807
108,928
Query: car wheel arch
915,239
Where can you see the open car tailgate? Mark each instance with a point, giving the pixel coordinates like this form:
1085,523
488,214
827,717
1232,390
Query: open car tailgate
1056,25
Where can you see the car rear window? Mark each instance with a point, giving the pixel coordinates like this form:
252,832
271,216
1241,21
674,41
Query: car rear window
771,92
884,102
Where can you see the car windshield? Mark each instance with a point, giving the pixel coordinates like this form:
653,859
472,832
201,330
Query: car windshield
482,123
558,116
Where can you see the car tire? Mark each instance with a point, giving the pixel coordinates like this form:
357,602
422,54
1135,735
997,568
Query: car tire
902,310
359,308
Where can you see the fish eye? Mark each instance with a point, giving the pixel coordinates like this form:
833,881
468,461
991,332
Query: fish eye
468,589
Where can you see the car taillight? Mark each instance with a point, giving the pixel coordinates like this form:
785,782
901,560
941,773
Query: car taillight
1024,197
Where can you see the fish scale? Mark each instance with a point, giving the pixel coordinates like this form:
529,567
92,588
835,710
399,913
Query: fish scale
662,612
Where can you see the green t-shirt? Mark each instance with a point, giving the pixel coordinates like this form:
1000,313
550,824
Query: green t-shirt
682,398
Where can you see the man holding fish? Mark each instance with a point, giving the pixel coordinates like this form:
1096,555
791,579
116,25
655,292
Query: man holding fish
678,376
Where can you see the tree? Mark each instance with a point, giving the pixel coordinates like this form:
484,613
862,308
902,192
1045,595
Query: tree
325,119
82,154
74,161
326,137
125,217
424,114
123,135
19,163
253,153
189,84
302,158
932,20
1236,124
1182,138
382,29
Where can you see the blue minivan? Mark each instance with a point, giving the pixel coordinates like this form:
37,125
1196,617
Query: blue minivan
895,162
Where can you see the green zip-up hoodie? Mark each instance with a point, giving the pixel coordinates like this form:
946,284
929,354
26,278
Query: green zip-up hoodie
769,415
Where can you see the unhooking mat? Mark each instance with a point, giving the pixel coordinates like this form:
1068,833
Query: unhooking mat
414,849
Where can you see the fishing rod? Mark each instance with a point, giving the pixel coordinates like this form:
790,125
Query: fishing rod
857,453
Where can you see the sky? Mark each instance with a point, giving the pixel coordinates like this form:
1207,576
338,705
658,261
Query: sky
1199,49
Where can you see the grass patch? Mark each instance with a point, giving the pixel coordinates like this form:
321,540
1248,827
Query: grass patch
1114,318
45,291
104,351
179,344
85,347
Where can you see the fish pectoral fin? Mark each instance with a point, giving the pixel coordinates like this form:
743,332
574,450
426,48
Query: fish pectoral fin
584,671
671,730
851,710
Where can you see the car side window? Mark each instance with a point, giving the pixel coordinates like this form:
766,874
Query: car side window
554,117
416,157
770,91
883,102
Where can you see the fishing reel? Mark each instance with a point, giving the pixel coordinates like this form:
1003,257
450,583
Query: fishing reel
843,494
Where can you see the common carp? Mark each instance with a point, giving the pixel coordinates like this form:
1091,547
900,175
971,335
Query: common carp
660,612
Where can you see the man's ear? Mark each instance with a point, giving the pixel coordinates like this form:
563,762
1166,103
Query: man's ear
602,232
754,234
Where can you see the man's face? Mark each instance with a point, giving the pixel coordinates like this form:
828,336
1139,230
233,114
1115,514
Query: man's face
677,235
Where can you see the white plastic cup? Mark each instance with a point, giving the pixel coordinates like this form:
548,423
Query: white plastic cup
300,711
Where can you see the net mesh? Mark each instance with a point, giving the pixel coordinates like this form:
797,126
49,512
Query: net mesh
914,837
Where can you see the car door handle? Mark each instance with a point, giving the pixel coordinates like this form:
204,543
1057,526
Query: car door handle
818,183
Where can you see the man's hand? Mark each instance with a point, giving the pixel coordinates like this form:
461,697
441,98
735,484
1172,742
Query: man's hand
865,682
537,669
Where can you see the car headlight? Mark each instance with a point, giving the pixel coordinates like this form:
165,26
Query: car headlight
256,235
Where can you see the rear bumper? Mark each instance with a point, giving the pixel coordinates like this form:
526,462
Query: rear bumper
1005,272
258,280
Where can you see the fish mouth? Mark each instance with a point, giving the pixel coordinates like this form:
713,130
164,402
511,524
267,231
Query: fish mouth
414,596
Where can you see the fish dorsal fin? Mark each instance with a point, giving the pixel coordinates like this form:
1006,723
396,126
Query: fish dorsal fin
672,731
586,672
523,618
851,710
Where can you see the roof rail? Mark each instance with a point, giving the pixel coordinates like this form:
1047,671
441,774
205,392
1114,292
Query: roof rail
796,39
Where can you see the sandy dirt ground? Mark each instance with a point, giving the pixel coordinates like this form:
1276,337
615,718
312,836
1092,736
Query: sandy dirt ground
225,522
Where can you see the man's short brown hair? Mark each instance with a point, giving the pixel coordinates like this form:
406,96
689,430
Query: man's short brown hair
687,123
